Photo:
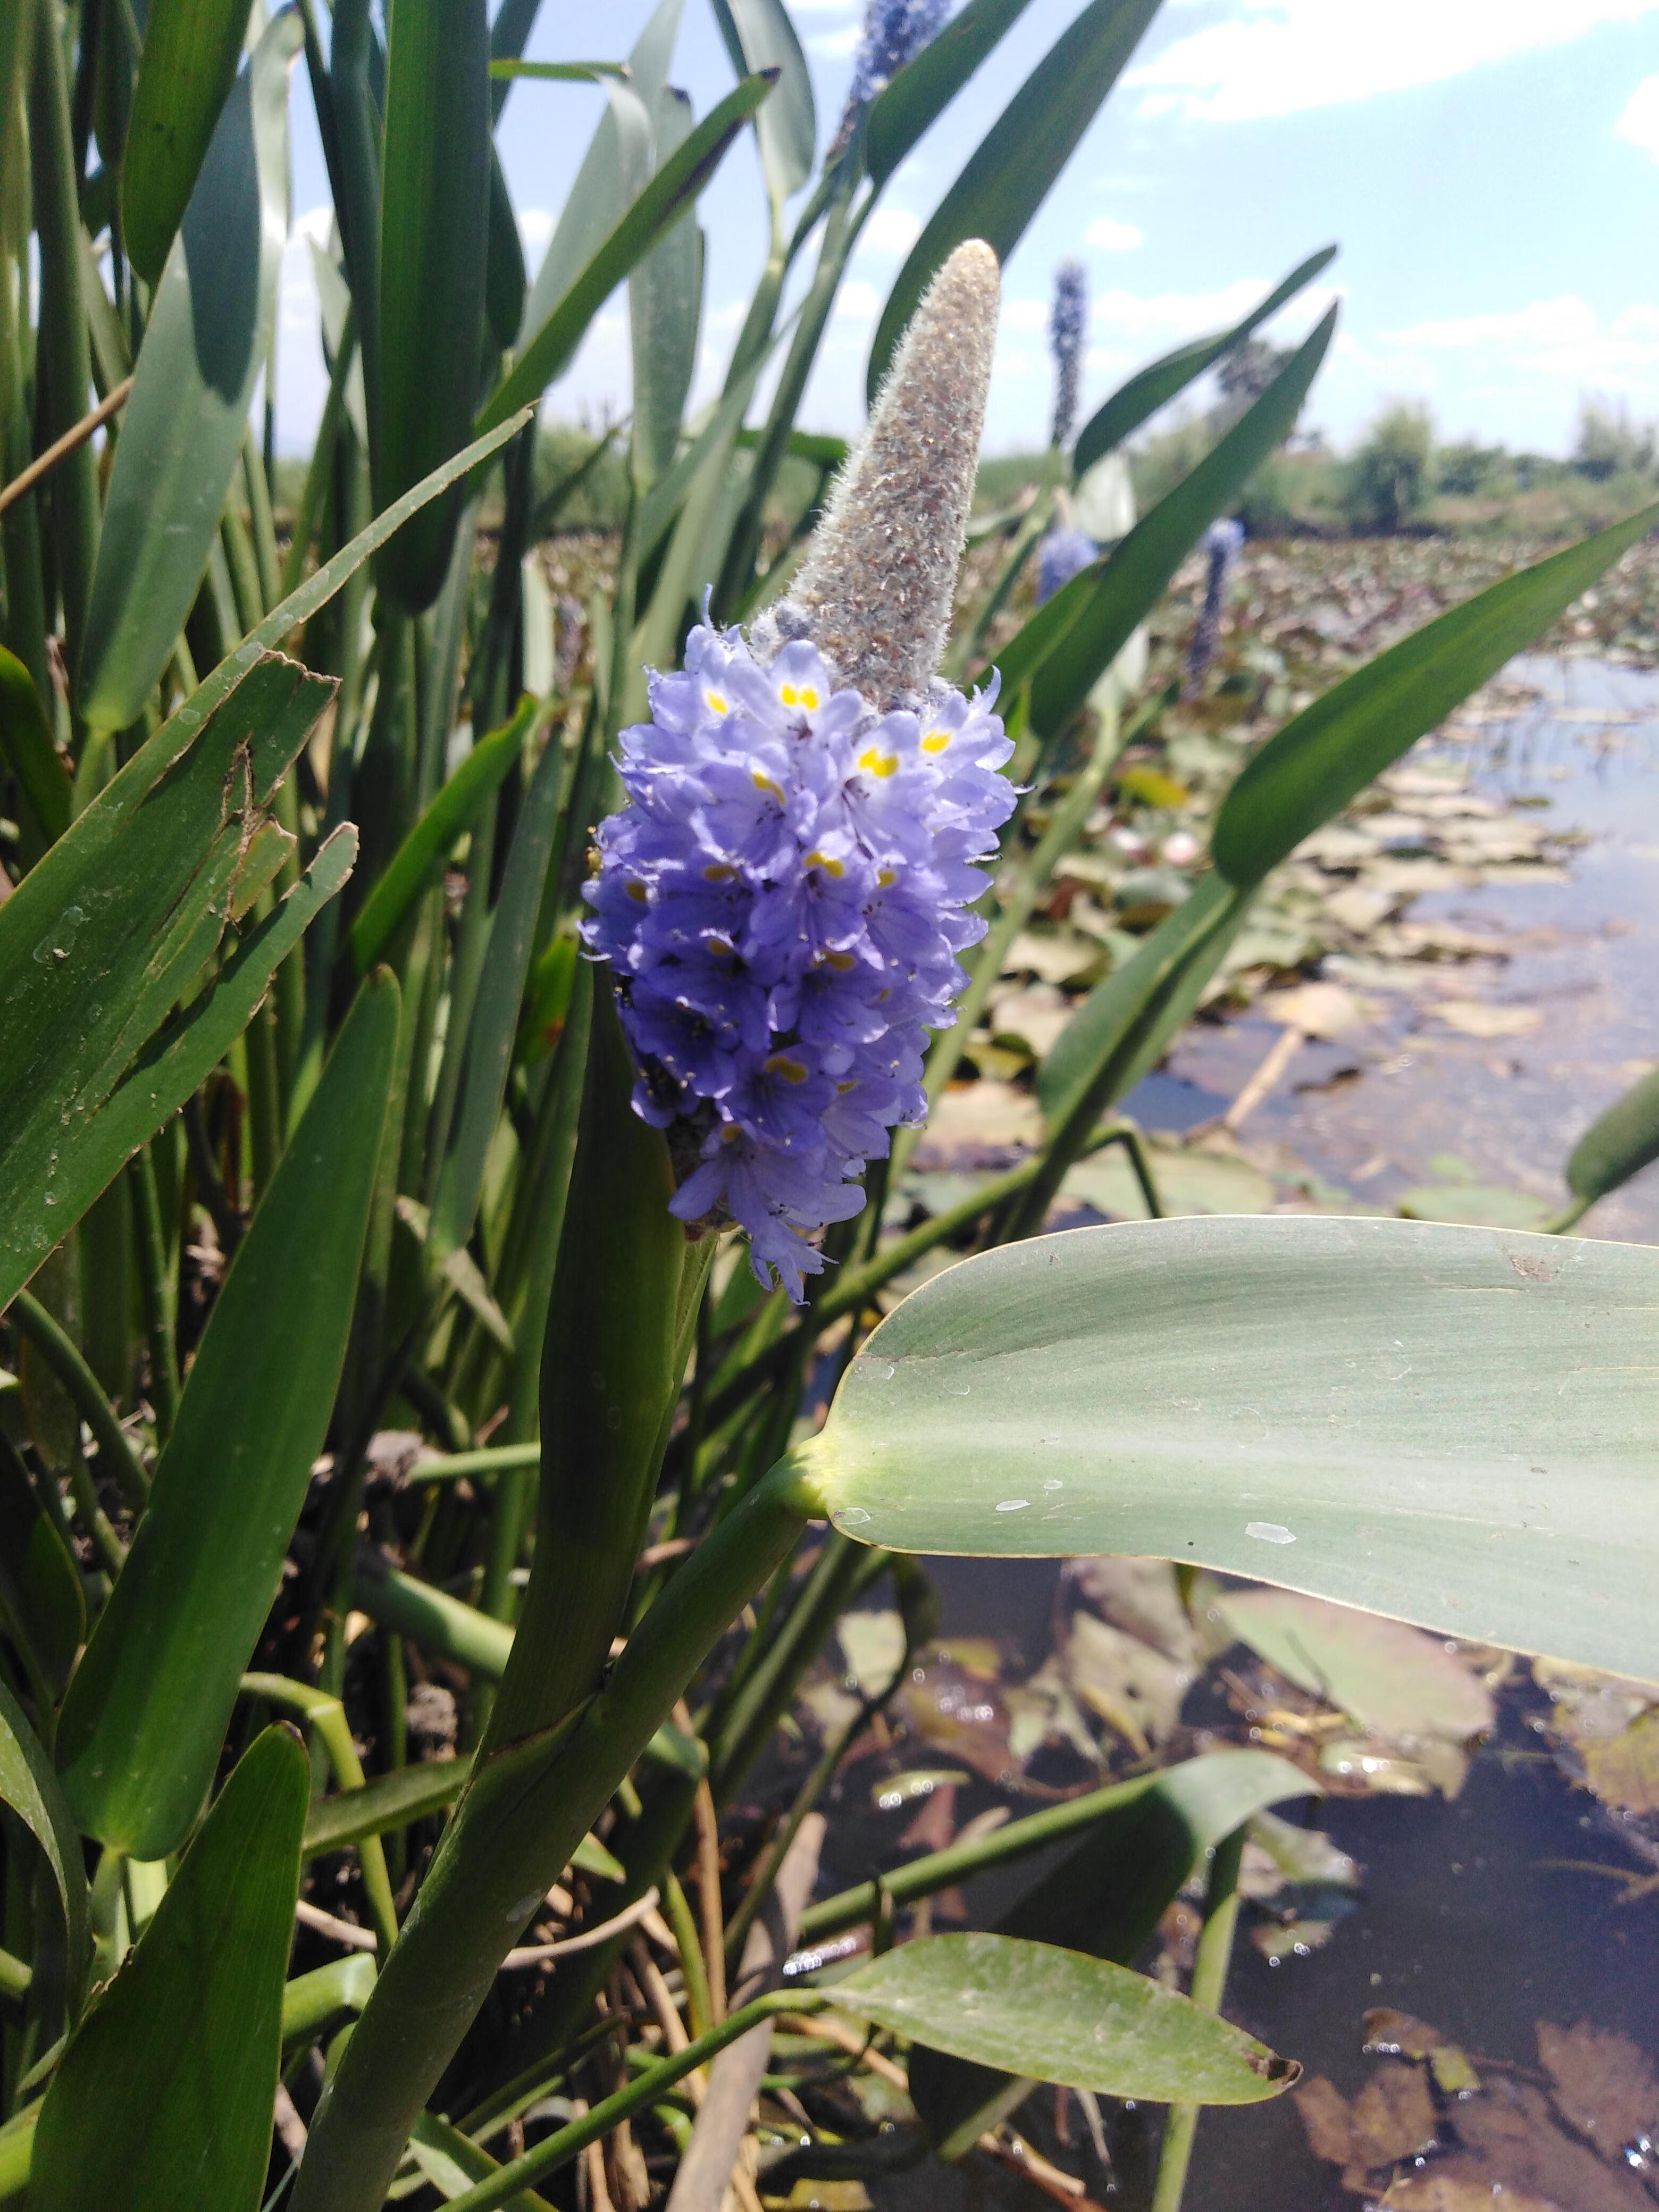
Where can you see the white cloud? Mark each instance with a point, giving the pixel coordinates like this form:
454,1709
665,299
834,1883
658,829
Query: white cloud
836,46
1563,339
1640,121
857,302
1024,314
1165,317
1113,237
536,226
1279,57
891,230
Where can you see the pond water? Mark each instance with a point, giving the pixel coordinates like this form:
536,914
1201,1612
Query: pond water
1482,1914
1386,1108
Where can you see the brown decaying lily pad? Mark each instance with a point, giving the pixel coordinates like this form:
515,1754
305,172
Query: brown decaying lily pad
1601,2083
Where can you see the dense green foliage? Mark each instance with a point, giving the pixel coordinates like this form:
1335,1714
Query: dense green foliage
348,1342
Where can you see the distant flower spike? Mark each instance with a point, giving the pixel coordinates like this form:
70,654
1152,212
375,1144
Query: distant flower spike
1068,320
783,898
895,32
1222,541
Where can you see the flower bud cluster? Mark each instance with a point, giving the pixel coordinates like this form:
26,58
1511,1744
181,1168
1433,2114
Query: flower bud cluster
782,900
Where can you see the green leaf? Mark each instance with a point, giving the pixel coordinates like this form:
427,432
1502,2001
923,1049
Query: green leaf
1029,646
925,87
1618,1143
496,1015
1105,1897
188,66
505,280
146,1713
26,748
614,169
664,311
39,1584
1108,1038
406,874
114,926
163,2098
1155,386
558,72
1324,757
1135,577
435,228
1059,2016
312,2002
1010,174
759,35
181,435
390,1800
1452,1426
28,1786
651,215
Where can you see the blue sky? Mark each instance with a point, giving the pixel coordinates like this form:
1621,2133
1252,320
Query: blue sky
1489,168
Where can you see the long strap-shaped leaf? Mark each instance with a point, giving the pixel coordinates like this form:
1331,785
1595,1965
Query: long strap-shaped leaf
181,437
146,1713
1134,580
1155,386
163,2100
1011,173
1456,1426
678,181
188,66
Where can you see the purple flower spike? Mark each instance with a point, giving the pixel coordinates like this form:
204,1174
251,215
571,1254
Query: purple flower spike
782,903
1068,319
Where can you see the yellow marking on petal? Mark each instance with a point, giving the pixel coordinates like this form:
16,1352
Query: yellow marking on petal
887,876
717,871
807,697
879,763
830,865
763,782
637,891
718,701
851,1084
792,1071
935,741
840,961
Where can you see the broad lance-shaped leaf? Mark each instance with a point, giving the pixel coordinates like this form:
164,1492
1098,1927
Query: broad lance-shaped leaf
187,68
147,1710
30,1788
1134,579
1011,173
675,186
665,312
182,431
1159,382
163,2098
26,748
1316,763
1061,2017
114,924
759,35
1618,1143
614,169
1105,1898
435,228
1456,1426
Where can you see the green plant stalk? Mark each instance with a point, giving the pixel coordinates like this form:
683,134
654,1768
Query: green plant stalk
646,2089
528,1805
104,1541
687,1939
25,625
156,1282
465,975
64,356
1569,1218
356,138
328,1716
54,1346
1215,1952
769,1691
262,525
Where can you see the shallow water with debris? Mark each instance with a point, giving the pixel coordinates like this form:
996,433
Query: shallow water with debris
1414,1098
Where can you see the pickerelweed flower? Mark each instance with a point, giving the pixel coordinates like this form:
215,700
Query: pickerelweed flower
1221,542
895,32
1068,319
783,898
1062,553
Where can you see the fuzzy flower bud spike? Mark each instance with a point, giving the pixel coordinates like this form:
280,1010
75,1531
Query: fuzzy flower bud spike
783,898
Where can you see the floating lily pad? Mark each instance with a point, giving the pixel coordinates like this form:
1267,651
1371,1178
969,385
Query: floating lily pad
1396,1681
1482,1206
